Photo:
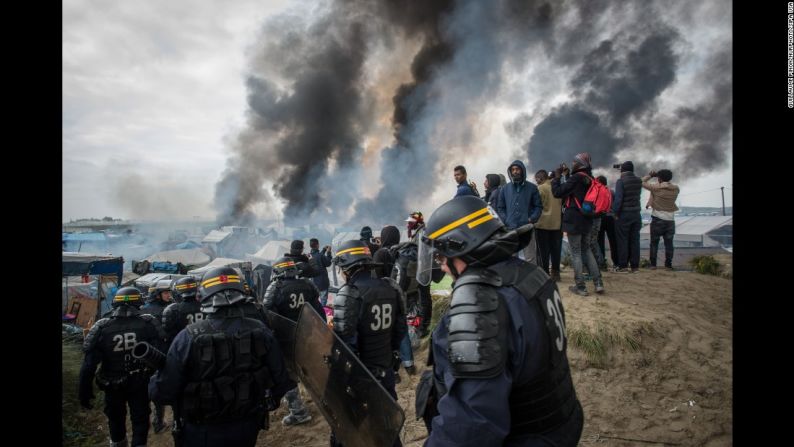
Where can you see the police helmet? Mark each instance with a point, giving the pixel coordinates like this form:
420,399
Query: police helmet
127,295
460,225
285,268
184,288
221,286
159,287
468,228
352,253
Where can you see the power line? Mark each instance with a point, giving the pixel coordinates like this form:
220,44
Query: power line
700,192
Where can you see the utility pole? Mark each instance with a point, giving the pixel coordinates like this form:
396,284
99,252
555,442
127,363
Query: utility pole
722,189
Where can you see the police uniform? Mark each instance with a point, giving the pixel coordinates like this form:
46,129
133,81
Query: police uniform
501,371
187,309
123,379
156,306
220,370
285,296
369,315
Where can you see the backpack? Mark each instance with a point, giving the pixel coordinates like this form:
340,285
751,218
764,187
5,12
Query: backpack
405,257
597,200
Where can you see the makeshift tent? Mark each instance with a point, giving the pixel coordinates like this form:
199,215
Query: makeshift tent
144,282
271,251
85,242
105,267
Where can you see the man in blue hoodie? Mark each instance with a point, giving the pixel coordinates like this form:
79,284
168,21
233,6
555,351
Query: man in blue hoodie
519,204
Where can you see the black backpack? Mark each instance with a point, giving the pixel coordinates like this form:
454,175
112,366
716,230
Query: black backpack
406,257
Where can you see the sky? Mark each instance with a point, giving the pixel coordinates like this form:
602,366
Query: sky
155,98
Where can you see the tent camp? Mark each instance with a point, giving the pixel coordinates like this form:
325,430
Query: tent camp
221,262
191,258
697,231
108,270
271,251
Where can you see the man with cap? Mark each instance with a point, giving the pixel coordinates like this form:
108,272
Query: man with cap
628,222
500,368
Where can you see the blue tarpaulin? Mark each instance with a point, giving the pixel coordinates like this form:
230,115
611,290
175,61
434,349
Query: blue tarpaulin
78,264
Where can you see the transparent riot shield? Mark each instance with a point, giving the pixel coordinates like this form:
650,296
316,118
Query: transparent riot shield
284,331
357,407
424,265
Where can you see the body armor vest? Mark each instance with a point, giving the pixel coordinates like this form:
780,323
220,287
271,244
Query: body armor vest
178,315
227,376
115,342
292,295
379,308
548,400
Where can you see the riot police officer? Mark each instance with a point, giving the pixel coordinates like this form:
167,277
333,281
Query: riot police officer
123,379
499,352
285,296
369,314
186,310
159,298
220,370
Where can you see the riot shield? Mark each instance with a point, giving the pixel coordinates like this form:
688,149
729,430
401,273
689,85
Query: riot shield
357,407
284,331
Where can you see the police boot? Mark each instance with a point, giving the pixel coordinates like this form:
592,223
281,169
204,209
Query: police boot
122,443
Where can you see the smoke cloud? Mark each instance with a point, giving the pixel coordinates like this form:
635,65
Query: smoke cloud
602,76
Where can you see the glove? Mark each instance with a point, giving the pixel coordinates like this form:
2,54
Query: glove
396,362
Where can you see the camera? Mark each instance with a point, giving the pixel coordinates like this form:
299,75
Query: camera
617,166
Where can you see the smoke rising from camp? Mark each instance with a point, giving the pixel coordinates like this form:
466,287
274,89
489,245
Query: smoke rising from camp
314,100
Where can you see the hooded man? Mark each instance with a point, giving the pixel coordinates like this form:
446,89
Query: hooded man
519,204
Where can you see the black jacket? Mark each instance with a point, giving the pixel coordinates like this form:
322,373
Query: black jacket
390,236
573,221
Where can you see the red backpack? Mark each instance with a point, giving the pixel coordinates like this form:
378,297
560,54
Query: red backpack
597,200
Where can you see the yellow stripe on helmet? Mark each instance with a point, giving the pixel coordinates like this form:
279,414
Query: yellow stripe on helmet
480,220
217,280
185,286
458,223
126,297
358,250
285,264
